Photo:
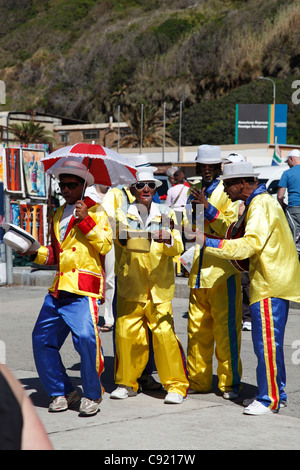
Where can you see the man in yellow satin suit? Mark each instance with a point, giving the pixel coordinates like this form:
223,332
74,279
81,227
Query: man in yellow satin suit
215,306
145,289
274,273
114,199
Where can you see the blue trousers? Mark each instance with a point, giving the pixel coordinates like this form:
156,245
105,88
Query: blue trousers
57,318
269,318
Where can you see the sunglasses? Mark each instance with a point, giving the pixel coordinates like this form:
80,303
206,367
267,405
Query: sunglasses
69,185
141,185
228,183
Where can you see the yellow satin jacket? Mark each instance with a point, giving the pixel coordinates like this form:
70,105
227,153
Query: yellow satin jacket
268,243
80,255
144,275
114,199
209,271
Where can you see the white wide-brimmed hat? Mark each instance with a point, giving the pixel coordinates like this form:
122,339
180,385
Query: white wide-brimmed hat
140,161
170,171
234,158
210,154
76,168
18,239
238,170
293,153
147,174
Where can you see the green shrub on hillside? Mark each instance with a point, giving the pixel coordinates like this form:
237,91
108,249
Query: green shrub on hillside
213,122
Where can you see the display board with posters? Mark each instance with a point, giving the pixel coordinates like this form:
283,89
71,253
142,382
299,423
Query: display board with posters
35,179
32,219
23,177
13,171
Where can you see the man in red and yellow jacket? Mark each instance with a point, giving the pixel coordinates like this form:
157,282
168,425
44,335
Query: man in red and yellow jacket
80,236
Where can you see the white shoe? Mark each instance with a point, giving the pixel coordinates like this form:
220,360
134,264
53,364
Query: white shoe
89,407
230,395
247,326
62,403
122,392
248,401
174,398
256,408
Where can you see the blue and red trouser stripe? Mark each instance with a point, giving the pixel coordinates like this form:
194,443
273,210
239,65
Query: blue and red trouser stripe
215,320
269,317
77,315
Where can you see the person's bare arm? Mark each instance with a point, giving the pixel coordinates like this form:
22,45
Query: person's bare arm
34,436
280,196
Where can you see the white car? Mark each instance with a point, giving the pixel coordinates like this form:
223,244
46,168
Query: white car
270,175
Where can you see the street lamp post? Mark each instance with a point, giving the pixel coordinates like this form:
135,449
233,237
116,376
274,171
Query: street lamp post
274,87
274,96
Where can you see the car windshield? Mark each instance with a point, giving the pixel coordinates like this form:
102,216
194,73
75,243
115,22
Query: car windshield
273,186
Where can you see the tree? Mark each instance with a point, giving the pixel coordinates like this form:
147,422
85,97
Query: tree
146,126
31,132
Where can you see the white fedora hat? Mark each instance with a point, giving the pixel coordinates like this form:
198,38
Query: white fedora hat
147,174
76,168
140,161
238,170
18,239
210,154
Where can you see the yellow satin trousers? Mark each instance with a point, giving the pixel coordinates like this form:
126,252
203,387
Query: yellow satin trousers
215,318
132,345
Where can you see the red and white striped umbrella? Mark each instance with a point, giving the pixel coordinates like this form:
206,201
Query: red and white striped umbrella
107,166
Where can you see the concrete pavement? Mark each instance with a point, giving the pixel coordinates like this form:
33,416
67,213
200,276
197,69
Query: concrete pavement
145,422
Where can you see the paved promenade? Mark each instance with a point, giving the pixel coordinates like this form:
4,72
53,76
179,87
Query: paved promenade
202,422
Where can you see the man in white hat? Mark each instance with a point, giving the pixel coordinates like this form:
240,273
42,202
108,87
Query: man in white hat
215,308
245,281
145,289
80,236
274,278
170,174
290,182
114,199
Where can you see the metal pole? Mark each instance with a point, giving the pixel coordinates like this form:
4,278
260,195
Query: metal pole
118,128
164,132
274,87
8,250
179,139
274,95
142,116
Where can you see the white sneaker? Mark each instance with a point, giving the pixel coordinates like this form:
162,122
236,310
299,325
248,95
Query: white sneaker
230,395
248,401
256,408
89,407
174,398
247,326
62,403
122,392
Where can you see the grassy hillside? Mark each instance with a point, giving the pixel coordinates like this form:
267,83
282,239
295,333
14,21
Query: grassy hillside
82,58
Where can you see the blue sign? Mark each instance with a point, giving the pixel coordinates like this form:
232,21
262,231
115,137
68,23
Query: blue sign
280,123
